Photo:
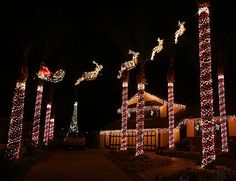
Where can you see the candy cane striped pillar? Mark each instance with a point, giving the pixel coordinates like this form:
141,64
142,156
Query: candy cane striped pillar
140,120
37,113
47,124
51,129
124,115
206,92
171,114
223,119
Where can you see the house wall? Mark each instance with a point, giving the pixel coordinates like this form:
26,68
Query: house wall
190,129
163,111
232,126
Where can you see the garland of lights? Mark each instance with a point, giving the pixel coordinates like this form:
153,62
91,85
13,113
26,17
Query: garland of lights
51,130
92,75
74,124
124,115
206,92
16,122
171,114
47,124
140,120
223,119
37,112
158,48
146,108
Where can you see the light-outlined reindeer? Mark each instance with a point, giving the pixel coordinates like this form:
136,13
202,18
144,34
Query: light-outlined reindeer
180,31
92,75
158,48
130,64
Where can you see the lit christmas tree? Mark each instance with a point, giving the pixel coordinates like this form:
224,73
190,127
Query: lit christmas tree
73,129
206,92
17,113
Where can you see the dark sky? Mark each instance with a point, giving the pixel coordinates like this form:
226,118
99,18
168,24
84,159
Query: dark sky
69,35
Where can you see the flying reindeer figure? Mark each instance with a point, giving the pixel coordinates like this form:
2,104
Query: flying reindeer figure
158,48
130,64
90,75
180,31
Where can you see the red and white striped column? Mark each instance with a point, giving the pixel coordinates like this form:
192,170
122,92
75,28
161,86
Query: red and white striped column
124,120
51,130
140,119
206,91
171,114
16,122
47,124
223,118
37,113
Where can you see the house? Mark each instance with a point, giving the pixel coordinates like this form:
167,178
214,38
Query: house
187,125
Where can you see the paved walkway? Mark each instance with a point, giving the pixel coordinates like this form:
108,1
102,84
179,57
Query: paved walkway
76,165
91,165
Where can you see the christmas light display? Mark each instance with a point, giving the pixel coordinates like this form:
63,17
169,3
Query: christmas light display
51,130
73,129
140,120
180,31
92,75
158,48
223,119
37,113
155,109
206,92
47,124
130,64
44,74
16,122
171,114
124,115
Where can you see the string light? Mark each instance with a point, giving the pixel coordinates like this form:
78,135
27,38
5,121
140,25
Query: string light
74,124
130,64
16,122
155,109
37,113
140,120
51,130
171,114
92,75
180,31
206,92
47,124
124,115
158,48
223,119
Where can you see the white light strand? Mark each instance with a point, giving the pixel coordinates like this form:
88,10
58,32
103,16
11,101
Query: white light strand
16,122
180,31
92,75
206,92
130,64
223,119
124,115
47,124
157,49
171,114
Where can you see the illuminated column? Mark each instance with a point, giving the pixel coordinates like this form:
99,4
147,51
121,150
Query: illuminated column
124,115
171,114
16,122
223,119
51,130
37,113
47,124
140,119
206,92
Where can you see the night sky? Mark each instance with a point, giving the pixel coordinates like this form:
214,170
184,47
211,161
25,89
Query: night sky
70,35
